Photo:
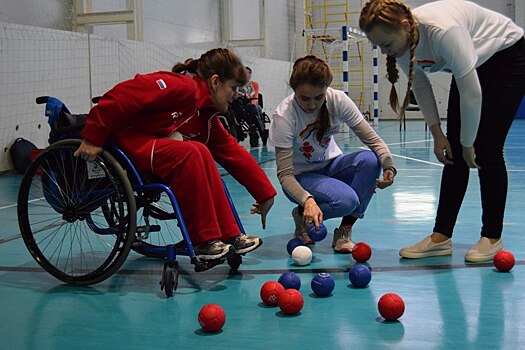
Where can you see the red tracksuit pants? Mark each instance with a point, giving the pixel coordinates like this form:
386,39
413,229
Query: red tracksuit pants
189,169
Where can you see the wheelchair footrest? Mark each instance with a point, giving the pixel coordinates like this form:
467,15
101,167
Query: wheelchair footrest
204,265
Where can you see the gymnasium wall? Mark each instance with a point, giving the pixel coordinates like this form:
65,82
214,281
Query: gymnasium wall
39,55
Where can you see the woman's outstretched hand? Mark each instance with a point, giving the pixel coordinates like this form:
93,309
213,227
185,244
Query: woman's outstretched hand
263,209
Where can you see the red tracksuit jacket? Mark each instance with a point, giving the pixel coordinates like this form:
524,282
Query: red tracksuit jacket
160,103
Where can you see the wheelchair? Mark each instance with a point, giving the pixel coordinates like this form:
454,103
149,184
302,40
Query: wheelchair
80,220
242,121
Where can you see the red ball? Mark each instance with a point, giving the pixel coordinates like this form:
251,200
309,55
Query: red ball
361,252
504,260
212,318
290,301
391,306
270,292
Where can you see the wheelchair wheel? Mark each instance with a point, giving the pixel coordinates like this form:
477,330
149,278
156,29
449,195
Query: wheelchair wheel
170,278
77,218
254,139
257,130
156,228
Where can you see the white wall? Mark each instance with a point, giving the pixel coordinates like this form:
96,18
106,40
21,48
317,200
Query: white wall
75,67
53,61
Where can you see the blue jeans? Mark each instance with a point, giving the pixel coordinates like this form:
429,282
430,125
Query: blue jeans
345,186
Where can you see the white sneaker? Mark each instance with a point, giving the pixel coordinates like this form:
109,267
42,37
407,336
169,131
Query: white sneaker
301,229
342,242
427,248
483,250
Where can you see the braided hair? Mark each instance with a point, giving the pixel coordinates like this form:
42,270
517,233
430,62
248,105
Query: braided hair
390,14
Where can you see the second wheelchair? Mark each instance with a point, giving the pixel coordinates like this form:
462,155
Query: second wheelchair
245,119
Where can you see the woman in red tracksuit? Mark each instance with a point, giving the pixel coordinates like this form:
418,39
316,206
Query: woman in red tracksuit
167,124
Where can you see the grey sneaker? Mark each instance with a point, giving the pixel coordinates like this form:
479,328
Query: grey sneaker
483,250
213,250
342,242
301,229
244,243
426,248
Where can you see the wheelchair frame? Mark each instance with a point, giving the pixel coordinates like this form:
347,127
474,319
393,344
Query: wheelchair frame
79,220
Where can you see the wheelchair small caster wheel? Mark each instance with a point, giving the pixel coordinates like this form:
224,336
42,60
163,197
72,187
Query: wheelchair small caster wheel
170,278
234,262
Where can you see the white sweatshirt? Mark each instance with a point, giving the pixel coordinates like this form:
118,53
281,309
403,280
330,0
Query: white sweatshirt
456,36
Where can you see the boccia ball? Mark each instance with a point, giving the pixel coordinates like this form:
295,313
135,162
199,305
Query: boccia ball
391,306
270,292
360,275
504,260
317,235
323,284
302,255
361,252
290,280
212,318
290,301
292,244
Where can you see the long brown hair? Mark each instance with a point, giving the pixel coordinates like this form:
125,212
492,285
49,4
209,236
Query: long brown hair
389,14
220,61
316,72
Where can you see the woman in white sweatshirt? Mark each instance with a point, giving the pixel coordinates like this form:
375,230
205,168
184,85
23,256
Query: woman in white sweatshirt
313,171
485,53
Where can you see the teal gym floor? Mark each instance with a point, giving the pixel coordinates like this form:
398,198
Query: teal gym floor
449,304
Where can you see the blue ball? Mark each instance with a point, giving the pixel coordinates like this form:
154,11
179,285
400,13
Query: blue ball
360,275
323,284
293,243
290,280
316,235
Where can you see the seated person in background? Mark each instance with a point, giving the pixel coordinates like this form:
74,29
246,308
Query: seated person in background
250,91
167,123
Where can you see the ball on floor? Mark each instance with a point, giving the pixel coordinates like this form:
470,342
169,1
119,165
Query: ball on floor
291,301
292,244
270,292
302,255
504,260
391,306
360,275
323,284
212,318
361,252
290,280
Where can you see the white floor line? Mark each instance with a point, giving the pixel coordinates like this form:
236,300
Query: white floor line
410,158
404,143
14,205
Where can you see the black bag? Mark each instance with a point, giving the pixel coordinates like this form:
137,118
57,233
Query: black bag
63,124
20,152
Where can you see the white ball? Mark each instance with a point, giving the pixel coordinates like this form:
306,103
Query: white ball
302,255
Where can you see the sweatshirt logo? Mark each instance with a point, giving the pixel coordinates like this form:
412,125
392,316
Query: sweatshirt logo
426,65
162,85
175,116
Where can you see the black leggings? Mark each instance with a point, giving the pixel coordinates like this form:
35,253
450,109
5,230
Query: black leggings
502,80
